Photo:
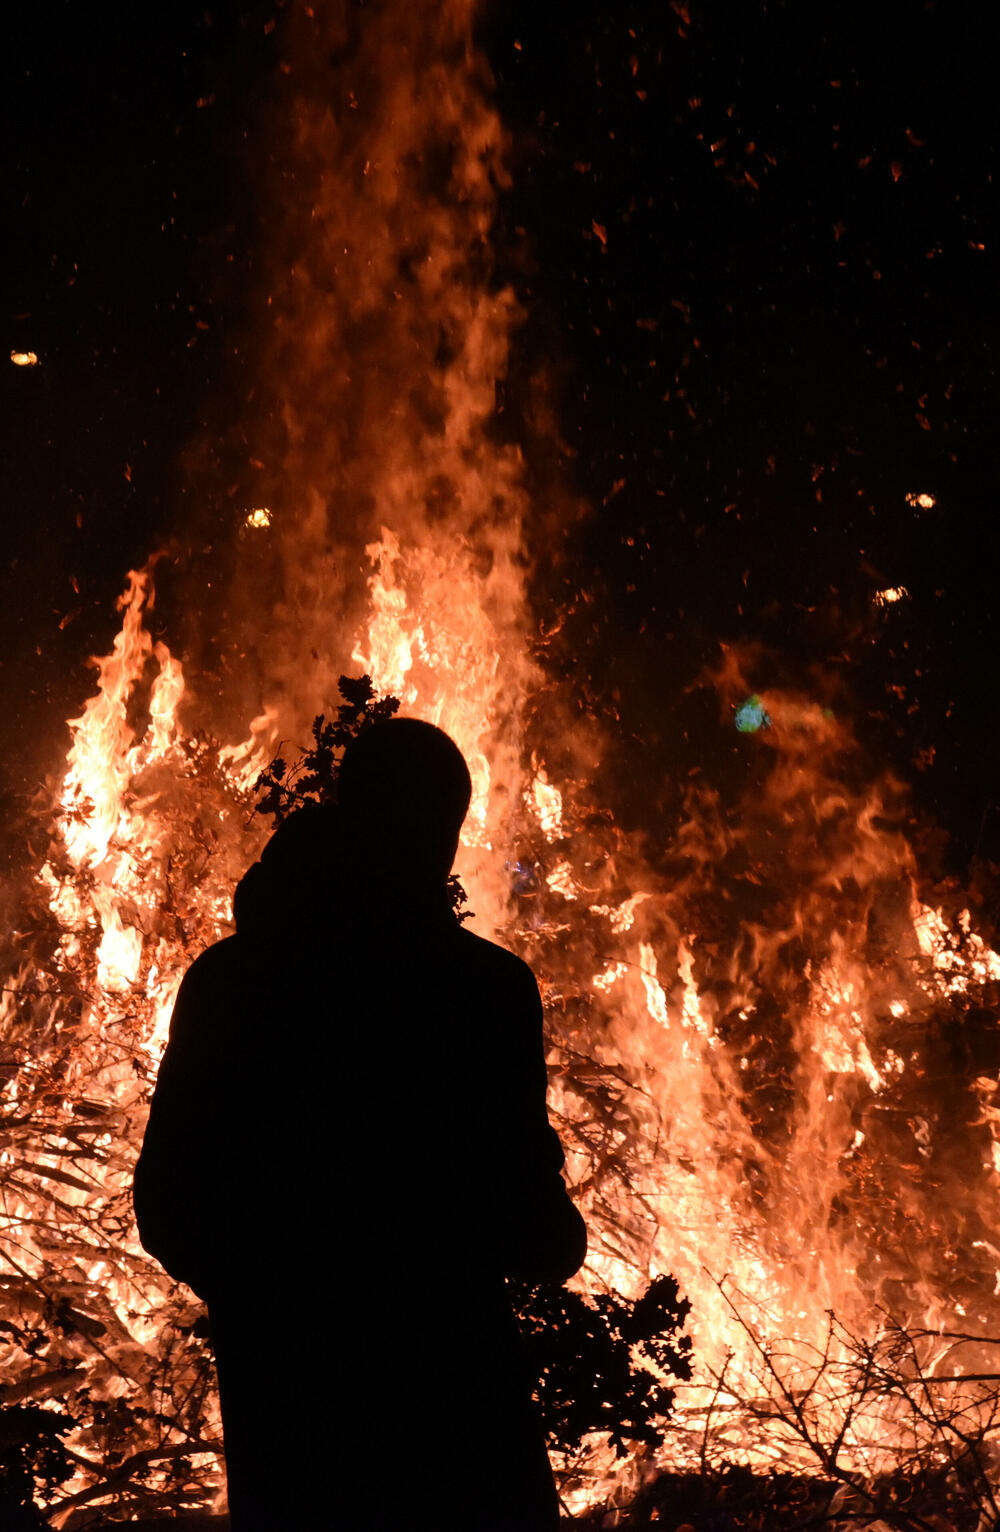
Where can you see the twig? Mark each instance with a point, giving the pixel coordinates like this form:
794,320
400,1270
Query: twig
126,1471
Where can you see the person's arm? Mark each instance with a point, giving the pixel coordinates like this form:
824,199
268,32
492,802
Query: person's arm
174,1190
542,1236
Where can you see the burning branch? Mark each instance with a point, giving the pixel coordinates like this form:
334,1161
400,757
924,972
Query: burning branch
867,1428
135,878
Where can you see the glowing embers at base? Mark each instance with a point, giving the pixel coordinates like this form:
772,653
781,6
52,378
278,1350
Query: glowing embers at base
961,959
562,881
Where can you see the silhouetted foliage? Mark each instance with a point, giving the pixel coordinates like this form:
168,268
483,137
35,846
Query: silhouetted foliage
736,1498
283,787
312,778
588,1353
31,1457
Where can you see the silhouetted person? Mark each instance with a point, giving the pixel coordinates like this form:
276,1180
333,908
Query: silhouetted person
348,1152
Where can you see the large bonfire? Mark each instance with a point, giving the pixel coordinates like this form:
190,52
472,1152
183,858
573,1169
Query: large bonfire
769,1062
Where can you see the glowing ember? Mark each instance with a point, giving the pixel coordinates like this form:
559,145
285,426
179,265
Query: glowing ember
545,801
922,501
24,358
260,516
561,880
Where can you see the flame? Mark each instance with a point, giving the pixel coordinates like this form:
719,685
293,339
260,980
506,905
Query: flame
133,886
711,1189
656,1000
449,674
545,801
562,881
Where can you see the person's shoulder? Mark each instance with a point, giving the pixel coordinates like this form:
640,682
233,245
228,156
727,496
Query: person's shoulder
200,1003
499,962
216,965
221,954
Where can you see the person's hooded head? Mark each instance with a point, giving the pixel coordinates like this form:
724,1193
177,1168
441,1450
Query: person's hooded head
404,791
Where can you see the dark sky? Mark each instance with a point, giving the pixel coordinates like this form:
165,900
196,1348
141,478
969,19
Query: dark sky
757,241
125,260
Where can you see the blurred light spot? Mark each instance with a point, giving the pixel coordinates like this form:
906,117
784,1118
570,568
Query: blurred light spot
751,716
24,358
921,502
259,517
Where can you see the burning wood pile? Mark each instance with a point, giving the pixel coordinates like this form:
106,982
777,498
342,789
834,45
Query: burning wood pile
774,1059
772,1064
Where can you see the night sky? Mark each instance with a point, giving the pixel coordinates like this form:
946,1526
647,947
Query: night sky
756,248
